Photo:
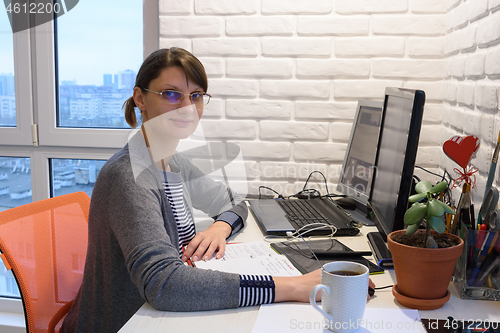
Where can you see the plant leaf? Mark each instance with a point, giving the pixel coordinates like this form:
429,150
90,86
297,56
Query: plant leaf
423,186
434,208
437,223
417,197
439,187
446,208
412,228
415,213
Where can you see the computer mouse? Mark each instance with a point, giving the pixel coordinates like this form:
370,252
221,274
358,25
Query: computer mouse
346,203
371,291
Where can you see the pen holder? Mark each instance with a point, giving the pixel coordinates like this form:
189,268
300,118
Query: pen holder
477,272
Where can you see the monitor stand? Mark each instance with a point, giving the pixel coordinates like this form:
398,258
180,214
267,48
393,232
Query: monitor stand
380,251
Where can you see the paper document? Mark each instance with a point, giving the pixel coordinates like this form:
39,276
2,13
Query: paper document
301,317
251,258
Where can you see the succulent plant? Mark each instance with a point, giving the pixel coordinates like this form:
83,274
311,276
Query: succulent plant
430,211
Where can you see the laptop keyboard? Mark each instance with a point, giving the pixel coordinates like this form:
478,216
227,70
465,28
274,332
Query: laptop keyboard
299,212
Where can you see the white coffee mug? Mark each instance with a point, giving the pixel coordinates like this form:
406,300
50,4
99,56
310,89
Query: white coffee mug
343,297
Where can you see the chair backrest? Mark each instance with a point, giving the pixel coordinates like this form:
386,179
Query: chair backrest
45,245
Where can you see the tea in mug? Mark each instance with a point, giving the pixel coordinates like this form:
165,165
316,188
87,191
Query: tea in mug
345,273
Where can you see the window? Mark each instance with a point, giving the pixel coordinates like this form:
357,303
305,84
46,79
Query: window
72,175
15,190
15,182
97,62
73,76
7,88
8,285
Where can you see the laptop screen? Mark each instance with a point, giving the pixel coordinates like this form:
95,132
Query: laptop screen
357,170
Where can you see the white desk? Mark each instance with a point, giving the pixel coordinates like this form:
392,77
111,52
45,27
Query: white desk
147,319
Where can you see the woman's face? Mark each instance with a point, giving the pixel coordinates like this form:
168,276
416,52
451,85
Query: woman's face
174,120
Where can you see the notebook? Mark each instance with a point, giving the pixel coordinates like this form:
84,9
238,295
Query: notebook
278,217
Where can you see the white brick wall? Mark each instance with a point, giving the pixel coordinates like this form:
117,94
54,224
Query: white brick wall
472,81
286,75
369,47
370,7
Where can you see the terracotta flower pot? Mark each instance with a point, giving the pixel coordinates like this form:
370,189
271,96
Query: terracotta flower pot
422,274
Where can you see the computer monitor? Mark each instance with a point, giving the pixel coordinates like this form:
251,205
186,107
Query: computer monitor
396,154
356,174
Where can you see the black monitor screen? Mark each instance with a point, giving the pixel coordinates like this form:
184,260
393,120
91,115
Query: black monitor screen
397,150
357,169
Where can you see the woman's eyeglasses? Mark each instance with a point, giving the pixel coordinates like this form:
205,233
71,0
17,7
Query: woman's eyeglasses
176,97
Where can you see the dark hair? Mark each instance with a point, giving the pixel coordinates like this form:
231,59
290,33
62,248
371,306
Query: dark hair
155,63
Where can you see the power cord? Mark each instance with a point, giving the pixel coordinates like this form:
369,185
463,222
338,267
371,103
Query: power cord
290,236
324,178
384,287
270,189
305,193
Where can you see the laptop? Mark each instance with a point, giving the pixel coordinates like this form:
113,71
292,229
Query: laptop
278,217
274,218
357,169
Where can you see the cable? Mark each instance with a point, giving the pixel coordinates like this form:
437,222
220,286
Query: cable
309,192
432,173
299,233
306,192
334,195
270,189
314,190
384,287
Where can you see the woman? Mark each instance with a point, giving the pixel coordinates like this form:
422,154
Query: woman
140,215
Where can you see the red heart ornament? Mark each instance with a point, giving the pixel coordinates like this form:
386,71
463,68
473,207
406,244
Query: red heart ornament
461,149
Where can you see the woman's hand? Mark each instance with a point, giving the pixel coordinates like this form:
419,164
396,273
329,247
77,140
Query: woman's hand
205,243
297,288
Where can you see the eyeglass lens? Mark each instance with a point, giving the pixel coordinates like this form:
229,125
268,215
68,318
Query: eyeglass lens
175,97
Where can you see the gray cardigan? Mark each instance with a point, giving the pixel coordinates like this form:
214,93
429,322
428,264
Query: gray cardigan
132,254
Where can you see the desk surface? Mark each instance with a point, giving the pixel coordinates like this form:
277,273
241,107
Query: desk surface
147,319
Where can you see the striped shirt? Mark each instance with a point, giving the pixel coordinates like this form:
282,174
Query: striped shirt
185,224
254,289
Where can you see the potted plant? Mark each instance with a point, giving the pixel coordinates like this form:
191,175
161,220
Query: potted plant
424,259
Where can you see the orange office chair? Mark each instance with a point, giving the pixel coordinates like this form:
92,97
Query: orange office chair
45,244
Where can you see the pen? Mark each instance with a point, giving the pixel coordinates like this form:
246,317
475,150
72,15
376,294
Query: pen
473,222
464,197
465,217
476,248
482,254
472,238
449,217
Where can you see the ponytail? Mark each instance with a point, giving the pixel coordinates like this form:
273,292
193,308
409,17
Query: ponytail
129,107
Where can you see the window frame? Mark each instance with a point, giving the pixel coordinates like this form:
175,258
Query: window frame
45,96
35,135
21,134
